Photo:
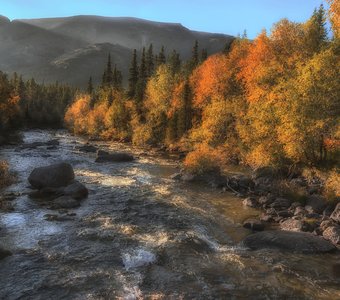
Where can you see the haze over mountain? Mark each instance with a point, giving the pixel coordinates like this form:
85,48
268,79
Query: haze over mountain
73,48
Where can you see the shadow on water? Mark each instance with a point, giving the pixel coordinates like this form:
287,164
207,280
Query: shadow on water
142,235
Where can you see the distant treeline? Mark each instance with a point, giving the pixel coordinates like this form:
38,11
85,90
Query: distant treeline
29,103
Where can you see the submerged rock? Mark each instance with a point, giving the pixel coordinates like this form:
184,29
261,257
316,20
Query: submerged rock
301,242
54,176
4,253
34,145
213,178
103,156
65,202
253,224
75,190
87,148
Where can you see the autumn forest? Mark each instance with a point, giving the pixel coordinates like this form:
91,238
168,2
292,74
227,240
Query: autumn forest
271,101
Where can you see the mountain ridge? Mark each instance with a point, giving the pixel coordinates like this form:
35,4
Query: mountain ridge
53,49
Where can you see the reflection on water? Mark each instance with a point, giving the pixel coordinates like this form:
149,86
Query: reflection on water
142,235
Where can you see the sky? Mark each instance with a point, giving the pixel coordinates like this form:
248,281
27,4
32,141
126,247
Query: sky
219,16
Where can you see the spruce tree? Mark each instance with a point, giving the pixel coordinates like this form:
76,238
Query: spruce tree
204,55
226,48
117,78
133,75
161,57
108,74
110,98
316,32
90,86
185,112
149,61
141,84
194,58
174,62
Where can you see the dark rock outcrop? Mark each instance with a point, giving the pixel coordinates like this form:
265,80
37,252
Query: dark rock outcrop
103,156
300,242
87,148
213,178
76,190
253,224
65,202
49,144
4,253
53,176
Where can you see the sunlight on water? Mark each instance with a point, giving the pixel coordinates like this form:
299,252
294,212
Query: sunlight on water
104,179
108,223
182,201
137,258
162,189
156,239
139,175
24,231
130,286
233,258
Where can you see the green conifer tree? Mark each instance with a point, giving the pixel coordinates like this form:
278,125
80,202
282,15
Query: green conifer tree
133,75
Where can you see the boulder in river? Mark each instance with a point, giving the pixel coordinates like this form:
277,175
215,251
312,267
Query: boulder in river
65,202
34,145
103,156
253,224
4,253
53,176
300,242
76,190
87,148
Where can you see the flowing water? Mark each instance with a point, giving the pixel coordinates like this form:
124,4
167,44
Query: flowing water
142,235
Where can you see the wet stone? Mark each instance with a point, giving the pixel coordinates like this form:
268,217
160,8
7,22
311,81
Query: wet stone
300,242
53,176
65,202
253,224
4,253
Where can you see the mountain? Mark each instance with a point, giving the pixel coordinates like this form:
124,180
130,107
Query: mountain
72,49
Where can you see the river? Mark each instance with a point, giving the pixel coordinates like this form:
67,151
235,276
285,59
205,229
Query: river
142,235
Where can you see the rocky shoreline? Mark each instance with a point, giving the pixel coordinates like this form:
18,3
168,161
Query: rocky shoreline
310,214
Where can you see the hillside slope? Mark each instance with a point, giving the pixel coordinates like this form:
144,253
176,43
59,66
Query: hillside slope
73,48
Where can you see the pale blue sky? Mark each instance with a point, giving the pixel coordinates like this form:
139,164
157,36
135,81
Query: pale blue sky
223,16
